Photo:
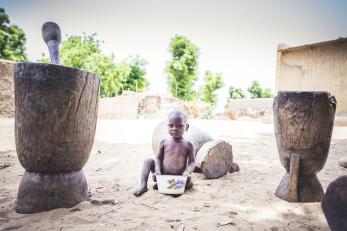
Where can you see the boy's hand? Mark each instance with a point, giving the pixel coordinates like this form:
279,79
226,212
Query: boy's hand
187,174
154,176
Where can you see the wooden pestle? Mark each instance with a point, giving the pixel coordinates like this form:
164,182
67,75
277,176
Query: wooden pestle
52,36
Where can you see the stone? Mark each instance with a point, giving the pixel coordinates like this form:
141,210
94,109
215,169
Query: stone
334,204
343,162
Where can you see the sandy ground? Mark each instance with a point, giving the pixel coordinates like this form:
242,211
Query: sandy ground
238,201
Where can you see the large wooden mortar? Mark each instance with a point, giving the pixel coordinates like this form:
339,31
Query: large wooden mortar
56,113
303,123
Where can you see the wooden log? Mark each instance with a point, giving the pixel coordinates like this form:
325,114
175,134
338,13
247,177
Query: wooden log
213,158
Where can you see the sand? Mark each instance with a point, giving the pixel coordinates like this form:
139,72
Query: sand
238,201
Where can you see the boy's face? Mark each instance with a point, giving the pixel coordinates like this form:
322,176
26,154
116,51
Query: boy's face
176,126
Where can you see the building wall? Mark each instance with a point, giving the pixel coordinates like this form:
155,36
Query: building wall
6,88
255,106
317,67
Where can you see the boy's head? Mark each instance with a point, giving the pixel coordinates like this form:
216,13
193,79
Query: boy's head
177,123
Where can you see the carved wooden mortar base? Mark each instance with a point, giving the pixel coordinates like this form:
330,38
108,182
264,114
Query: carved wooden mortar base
42,191
309,189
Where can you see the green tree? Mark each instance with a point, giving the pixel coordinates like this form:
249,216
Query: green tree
136,80
236,93
79,51
108,71
267,93
257,92
182,69
255,89
84,52
12,40
212,83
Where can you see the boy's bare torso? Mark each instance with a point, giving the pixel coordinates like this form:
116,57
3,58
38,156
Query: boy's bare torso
174,154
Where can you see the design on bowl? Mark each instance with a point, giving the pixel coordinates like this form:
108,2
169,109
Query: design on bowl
173,184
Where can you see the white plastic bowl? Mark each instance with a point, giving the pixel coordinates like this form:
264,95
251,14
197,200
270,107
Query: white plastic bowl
171,184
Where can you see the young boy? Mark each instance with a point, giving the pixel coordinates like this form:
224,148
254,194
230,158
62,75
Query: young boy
174,156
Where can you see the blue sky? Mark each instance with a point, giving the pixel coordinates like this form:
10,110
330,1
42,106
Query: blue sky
237,38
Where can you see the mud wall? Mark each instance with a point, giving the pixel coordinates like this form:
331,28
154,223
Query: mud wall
6,88
316,67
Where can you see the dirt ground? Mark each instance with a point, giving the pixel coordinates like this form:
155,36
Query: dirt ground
238,201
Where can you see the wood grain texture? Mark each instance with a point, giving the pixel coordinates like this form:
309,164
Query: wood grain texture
42,192
214,158
303,124
56,113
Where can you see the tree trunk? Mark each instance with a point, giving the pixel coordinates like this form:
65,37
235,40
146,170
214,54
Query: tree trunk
214,159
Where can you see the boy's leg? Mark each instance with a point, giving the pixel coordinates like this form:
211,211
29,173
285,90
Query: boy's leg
148,166
155,186
189,183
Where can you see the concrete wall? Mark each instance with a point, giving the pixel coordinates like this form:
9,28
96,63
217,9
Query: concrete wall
6,88
315,67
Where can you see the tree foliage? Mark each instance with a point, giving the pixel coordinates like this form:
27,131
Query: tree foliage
267,93
84,52
136,78
255,89
212,82
236,93
182,69
257,92
12,40
80,51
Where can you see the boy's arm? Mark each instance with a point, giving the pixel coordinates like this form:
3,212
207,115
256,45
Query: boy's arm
159,158
191,160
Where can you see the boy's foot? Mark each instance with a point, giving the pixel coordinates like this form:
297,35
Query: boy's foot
189,184
155,186
140,191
